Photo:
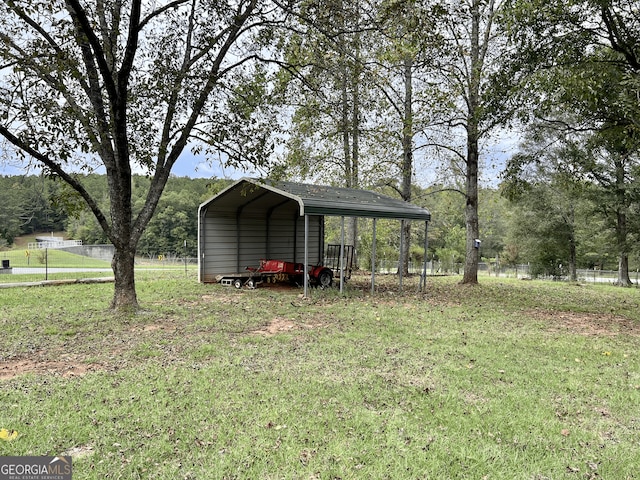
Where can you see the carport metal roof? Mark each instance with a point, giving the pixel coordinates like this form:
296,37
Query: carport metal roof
317,200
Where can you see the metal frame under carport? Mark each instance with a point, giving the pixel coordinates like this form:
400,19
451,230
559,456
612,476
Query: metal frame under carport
423,274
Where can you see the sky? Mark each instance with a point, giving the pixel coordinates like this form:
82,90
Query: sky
189,165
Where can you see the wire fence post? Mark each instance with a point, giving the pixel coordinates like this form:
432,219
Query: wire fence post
185,258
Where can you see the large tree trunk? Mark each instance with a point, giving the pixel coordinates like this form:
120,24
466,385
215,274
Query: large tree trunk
355,128
122,232
407,159
355,144
123,264
623,271
471,213
570,221
350,73
621,222
348,149
473,152
623,255
573,272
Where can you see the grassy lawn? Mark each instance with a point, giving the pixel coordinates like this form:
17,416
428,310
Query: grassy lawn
51,257
506,380
51,264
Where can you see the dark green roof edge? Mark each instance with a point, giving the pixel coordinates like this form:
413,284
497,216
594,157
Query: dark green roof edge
338,201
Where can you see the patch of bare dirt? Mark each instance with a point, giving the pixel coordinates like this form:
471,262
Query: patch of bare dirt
63,368
79,452
588,324
59,363
154,327
283,325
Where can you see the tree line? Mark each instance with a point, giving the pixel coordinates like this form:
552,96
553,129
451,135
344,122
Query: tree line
531,229
37,203
385,94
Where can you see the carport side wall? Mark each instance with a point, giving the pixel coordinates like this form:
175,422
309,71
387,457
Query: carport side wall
286,238
231,244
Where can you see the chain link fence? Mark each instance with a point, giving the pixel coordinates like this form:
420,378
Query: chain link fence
79,263
583,275
435,267
94,262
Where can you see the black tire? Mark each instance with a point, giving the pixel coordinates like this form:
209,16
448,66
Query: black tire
237,283
325,279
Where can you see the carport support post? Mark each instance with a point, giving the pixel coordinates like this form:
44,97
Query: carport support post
423,277
306,255
342,256
373,257
401,259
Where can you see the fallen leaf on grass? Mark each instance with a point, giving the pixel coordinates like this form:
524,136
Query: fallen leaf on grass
565,432
8,435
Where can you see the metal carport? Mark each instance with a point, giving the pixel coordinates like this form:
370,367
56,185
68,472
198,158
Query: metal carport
253,219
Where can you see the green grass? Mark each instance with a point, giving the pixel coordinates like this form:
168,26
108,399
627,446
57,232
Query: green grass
505,380
20,256
82,267
52,257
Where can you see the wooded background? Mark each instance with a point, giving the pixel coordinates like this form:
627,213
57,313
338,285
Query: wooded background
532,230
